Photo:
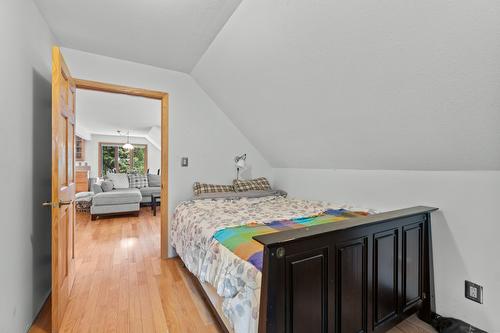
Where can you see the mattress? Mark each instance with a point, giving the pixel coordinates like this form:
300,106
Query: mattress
236,280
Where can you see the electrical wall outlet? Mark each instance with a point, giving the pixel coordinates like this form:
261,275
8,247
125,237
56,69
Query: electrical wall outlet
474,292
184,162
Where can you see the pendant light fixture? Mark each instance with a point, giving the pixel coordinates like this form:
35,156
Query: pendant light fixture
127,145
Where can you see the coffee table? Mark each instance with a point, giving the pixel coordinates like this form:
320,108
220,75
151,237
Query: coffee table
155,201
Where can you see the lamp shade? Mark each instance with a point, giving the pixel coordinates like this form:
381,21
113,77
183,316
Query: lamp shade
240,163
128,146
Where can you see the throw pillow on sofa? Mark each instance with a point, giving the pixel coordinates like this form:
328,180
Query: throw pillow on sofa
138,181
107,186
154,180
120,180
96,188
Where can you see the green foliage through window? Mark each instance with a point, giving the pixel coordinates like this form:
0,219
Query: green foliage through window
117,159
108,159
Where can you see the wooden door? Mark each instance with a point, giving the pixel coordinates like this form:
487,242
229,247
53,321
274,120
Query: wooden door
63,186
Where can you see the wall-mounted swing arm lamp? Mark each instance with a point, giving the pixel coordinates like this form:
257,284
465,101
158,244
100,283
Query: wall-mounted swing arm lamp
240,164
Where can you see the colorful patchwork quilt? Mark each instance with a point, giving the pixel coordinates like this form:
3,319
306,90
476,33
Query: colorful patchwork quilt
239,240
236,280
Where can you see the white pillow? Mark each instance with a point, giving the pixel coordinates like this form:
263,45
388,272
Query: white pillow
120,180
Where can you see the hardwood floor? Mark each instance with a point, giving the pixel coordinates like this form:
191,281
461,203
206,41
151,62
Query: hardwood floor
122,285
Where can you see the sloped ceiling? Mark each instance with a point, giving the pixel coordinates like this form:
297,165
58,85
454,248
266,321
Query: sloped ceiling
105,113
362,84
171,34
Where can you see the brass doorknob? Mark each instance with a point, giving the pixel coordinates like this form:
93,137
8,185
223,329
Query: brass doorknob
57,205
65,203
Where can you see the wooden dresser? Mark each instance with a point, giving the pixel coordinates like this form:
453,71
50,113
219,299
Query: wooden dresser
82,178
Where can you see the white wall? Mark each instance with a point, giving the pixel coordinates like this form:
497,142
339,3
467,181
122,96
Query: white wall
25,122
154,136
378,85
92,151
198,129
362,84
465,229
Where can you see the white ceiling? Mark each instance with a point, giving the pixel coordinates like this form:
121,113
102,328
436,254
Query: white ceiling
171,34
105,113
360,84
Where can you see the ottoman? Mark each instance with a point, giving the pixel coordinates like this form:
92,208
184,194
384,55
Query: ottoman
118,201
83,201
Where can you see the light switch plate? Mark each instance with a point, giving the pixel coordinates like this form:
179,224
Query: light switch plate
184,162
474,292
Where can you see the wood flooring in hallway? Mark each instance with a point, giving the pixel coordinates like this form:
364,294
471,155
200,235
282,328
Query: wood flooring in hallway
122,285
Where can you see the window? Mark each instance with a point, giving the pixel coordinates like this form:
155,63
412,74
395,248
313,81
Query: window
114,158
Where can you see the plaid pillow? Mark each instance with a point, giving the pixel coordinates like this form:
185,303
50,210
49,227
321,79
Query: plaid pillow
199,188
258,184
137,180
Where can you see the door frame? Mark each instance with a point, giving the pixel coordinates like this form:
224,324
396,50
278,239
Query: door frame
163,97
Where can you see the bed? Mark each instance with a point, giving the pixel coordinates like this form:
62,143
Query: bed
275,264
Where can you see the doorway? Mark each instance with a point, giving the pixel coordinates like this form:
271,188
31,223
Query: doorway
65,149
163,97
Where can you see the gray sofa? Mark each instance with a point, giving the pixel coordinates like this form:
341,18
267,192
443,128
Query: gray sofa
108,200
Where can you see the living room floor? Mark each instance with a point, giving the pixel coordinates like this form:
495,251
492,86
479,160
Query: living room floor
122,285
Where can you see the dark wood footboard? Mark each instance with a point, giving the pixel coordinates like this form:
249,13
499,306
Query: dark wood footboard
360,275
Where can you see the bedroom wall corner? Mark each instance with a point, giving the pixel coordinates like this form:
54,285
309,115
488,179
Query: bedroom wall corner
465,229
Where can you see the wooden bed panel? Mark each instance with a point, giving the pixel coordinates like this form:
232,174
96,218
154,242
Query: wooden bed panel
351,286
385,276
412,264
306,289
362,275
